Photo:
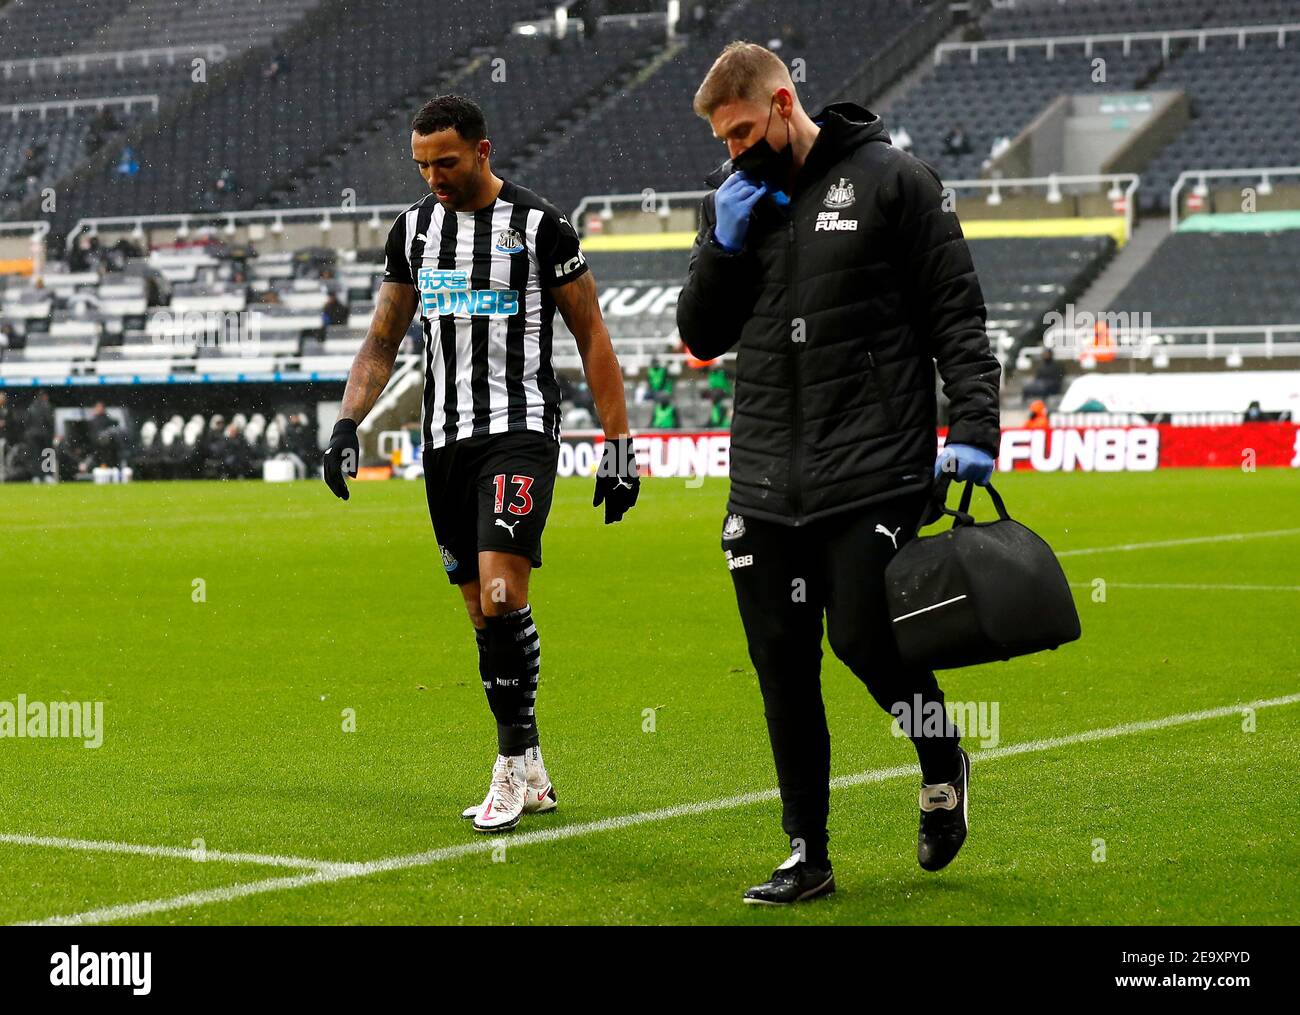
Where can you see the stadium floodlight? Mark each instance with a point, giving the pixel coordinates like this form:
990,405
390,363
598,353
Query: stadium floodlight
325,224
607,212
277,226
663,209
1115,194
230,227
1053,190
995,196
1233,360
138,232
183,229
374,221
1201,190
1160,359
1265,186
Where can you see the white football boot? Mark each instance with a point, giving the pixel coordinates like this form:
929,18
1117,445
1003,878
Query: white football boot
540,794
500,809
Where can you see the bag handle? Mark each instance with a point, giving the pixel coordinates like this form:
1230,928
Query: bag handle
964,507
961,515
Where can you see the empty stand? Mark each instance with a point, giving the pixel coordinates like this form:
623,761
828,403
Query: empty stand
650,137
1218,278
1244,110
526,85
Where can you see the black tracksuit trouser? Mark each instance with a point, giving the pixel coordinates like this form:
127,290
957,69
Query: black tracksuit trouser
786,579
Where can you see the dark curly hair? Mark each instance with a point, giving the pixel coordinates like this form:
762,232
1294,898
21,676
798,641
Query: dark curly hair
445,111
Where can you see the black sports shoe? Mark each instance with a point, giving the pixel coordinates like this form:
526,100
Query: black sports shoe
943,819
794,881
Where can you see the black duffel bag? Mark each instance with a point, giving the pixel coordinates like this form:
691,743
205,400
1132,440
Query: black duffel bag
977,592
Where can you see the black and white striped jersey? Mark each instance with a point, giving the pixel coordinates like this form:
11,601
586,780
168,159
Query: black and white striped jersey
485,279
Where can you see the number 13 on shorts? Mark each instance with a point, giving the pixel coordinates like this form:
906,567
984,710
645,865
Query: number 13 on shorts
521,495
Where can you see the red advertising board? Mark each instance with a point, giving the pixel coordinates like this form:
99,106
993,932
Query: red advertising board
1062,449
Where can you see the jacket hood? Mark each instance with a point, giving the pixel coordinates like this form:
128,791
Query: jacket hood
845,126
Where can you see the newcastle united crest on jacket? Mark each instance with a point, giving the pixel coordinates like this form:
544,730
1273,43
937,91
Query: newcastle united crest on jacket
840,195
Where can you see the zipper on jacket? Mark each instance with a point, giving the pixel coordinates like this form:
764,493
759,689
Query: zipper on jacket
796,493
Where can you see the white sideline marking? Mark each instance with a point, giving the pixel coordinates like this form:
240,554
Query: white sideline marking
174,852
1229,537
342,872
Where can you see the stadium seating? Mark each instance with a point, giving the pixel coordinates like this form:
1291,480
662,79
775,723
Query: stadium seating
1024,279
51,27
265,128
82,33
602,154
58,144
238,24
97,80
526,86
1047,18
1244,104
43,28
997,97
1218,278
1244,97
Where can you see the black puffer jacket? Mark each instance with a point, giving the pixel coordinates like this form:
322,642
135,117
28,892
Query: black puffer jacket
839,327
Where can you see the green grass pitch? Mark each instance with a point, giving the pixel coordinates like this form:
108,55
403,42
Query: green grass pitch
224,719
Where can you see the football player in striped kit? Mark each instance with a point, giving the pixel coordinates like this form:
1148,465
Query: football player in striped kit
486,263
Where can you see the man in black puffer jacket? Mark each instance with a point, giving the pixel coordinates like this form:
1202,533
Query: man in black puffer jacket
835,264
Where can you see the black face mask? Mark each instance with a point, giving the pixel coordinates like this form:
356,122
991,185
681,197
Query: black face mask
762,164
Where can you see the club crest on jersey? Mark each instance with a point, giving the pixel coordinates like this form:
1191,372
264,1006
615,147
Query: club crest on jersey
733,527
510,242
840,195
449,561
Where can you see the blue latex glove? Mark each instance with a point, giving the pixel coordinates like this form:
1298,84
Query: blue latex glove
733,202
964,464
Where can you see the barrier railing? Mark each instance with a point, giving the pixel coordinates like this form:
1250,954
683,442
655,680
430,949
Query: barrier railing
1160,345
1264,174
1050,43
185,221
120,59
651,202
38,228
1122,186
895,55
15,110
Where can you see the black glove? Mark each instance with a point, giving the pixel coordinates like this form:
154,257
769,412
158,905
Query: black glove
617,480
341,457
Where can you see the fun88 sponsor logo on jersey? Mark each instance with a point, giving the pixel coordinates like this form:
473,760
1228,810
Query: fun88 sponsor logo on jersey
447,291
